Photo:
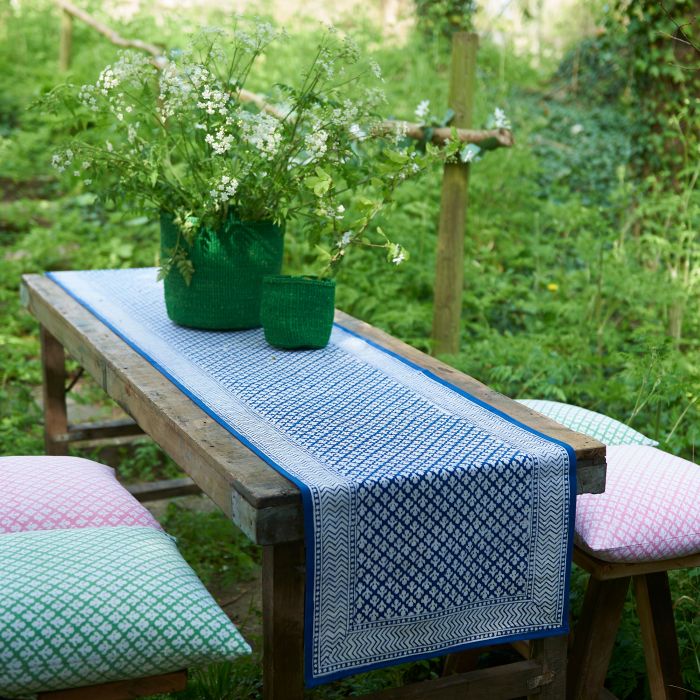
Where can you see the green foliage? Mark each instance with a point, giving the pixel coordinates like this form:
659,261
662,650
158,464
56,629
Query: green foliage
576,268
663,67
181,139
445,17
217,550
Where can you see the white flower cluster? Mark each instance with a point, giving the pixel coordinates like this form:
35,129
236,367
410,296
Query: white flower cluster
399,255
129,66
315,144
223,190
261,131
221,142
422,110
345,115
500,119
344,241
357,131
336,214
214,101
61,161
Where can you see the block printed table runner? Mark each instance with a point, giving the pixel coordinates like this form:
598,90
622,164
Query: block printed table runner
432,521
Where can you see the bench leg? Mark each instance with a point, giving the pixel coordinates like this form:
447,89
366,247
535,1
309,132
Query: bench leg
594,637
655,611
283,621
53,367
550,653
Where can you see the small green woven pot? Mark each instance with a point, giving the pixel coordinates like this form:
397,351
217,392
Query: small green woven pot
229,266
297,312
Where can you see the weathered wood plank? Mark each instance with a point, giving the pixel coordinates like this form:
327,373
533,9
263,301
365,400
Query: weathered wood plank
605,570
102,430
168,488
263,503
498,683
122,690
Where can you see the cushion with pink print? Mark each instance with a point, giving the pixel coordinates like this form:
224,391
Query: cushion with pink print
58,493
650,509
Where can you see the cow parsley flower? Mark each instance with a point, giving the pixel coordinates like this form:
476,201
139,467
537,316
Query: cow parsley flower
221,142
500,119
261,131
422,110
223,190
315,144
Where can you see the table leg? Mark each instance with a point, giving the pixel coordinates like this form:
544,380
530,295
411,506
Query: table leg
283,621
53,367
551,654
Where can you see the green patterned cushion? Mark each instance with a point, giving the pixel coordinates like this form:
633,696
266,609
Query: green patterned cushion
95,605
604,429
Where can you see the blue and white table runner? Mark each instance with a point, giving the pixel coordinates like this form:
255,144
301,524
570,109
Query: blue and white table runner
432,521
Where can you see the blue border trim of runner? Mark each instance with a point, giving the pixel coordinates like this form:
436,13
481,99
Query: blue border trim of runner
311,681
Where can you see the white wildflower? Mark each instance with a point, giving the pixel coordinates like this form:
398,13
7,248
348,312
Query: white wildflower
576,129
356,131
315,144
469,153
400,130
345,239
500,119
213,101
399,256
221,142
109,146
223,190
262,132
422,110
87,181
376,69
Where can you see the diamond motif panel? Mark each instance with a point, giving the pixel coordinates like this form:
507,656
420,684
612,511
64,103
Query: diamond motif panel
48,493
650,509
100,604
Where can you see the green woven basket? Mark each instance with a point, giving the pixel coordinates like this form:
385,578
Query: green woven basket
229,266
297,312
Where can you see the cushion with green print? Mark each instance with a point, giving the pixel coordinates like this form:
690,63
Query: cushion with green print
93,605
601,427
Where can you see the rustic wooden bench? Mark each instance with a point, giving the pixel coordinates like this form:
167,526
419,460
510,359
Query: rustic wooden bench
261,502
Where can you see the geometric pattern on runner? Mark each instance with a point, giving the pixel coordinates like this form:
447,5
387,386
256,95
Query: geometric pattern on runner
94,605
49,493
433,522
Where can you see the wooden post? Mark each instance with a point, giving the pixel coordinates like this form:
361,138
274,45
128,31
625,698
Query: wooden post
53,367
66,43
283,621
449,267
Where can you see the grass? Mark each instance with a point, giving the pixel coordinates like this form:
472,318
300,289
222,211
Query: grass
561,299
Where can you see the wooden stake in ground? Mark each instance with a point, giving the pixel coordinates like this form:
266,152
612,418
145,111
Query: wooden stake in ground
449,267
65,47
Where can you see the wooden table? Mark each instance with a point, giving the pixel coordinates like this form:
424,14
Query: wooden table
265,505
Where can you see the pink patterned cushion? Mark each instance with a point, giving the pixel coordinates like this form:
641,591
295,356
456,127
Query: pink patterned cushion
650,509
57,493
